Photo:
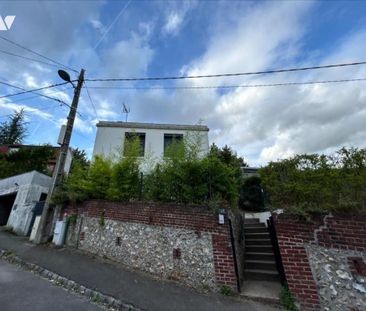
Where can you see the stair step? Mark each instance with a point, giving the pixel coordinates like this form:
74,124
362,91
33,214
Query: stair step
260,264
257,235
259,256
258,249
254,225
255,230
251,221
258,242
260,274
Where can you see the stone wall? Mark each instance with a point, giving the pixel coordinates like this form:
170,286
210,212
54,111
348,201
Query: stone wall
183,243
319,257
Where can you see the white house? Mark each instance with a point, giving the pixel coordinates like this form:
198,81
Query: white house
154,138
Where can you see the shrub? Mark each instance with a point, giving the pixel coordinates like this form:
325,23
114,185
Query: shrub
318,182
185,177
124,182
98,178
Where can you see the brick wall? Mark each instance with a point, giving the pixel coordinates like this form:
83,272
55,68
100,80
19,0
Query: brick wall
188,217
346,232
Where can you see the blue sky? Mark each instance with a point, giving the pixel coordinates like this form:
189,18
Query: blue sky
167,38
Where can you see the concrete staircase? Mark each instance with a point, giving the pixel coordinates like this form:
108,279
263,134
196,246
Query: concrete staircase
260,262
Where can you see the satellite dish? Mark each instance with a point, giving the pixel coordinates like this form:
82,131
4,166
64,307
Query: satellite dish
64,75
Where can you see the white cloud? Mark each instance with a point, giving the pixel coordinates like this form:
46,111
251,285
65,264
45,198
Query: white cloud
98,25
17,107
265,124
176,15
262,124
82,125
127,57
173,23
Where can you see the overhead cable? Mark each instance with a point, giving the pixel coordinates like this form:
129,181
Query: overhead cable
34,90
38,94
28,58
229,74
91,100
36,53
226,86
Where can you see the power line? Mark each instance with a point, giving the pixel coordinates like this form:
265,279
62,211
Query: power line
230,74
228,86
27,58
43,95
91,101
38,94
36,53
34,90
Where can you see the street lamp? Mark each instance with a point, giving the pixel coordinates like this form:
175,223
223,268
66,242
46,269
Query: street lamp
65,76
41,234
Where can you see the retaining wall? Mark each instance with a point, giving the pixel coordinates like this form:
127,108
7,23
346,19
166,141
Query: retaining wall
322,259
183,243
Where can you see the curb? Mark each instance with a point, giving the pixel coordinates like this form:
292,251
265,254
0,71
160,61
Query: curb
58,280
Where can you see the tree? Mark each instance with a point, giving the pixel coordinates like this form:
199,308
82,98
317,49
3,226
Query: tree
124,180
228,156
13,131
185,177
79,157
98,178
25,160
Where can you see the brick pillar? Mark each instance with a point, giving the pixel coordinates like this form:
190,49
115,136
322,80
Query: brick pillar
224,260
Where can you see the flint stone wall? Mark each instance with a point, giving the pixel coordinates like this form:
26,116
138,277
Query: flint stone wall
338,289
183,243
317,257
151,249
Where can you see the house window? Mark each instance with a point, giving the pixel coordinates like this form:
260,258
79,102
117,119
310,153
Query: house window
170,139
130,136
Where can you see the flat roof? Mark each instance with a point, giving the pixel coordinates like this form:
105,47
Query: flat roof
136,125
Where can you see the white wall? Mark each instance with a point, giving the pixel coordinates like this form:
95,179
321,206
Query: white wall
109,140
68,161
29,187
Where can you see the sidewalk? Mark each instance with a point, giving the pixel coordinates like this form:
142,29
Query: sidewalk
113,279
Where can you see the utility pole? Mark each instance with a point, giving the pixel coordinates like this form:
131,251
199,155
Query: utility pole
42,234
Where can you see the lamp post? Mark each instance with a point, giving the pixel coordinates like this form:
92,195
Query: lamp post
44,224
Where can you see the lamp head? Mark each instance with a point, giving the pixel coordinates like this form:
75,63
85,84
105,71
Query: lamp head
64,75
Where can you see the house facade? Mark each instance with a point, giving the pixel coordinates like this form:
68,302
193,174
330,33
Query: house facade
154,138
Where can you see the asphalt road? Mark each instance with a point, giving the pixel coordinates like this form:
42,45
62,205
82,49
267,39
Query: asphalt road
129,286
22,290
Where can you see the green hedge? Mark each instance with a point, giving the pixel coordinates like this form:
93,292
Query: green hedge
318,182
182,176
